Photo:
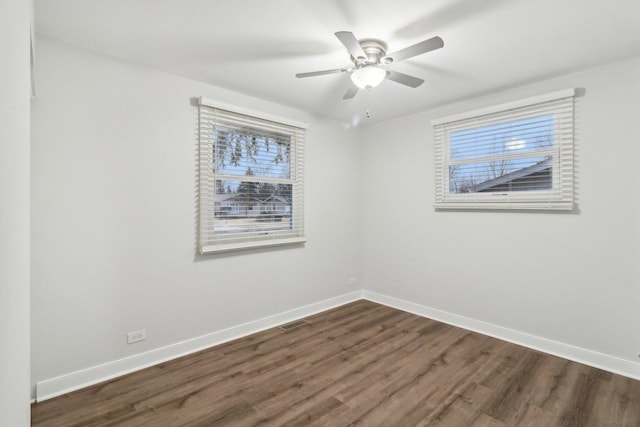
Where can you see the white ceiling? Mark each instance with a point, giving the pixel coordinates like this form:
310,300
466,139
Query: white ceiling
257,46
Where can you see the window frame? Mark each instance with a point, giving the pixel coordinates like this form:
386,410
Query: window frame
208,242
559,197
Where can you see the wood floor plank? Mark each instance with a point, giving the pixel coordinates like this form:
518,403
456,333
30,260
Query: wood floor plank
358,364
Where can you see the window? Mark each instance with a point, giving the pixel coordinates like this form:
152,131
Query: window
512,156
251,179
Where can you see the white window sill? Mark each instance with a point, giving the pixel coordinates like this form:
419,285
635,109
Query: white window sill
531,206
210,249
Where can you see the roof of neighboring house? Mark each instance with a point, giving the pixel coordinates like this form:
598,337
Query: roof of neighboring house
538,167
273,198
225,196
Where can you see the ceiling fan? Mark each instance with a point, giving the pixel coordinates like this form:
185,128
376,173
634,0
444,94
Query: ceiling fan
369,56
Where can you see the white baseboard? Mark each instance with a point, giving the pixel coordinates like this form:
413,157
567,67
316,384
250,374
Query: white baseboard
566,351
76,380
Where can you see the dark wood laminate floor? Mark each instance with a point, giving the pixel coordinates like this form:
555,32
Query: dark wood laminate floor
359,364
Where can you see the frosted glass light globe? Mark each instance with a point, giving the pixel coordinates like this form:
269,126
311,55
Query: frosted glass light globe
368,77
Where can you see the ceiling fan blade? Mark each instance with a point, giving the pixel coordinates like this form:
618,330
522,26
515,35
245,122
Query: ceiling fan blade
404,79
351,43
321,73
414,50
351,92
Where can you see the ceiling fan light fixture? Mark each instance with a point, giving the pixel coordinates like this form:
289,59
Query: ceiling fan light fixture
369,56
368,77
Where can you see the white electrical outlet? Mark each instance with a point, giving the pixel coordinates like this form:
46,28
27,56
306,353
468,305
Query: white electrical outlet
136,336
352,281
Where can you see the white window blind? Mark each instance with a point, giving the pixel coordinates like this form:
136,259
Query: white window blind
251,169
512,156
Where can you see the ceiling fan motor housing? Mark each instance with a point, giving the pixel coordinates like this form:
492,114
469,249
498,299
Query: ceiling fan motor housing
375,50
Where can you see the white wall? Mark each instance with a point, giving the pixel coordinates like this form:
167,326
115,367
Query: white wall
15,24
571,278
114,216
